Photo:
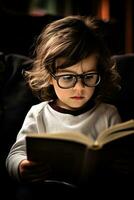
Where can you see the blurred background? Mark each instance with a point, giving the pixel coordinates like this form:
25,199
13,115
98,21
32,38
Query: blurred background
21,21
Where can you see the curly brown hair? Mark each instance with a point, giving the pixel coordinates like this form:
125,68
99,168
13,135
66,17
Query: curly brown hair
74,38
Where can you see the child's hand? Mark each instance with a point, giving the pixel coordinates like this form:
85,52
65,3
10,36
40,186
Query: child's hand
33,171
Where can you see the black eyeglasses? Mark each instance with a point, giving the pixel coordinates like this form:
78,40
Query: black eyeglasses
66,81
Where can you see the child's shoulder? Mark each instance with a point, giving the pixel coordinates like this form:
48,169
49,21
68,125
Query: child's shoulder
107,106
39,107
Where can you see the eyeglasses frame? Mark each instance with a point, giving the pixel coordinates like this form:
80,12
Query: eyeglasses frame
77,76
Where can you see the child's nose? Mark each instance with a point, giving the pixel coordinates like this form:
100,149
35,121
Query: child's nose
79,84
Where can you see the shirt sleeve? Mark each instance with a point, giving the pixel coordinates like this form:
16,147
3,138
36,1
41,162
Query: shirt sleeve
17,152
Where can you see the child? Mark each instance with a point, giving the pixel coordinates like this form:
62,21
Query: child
73,75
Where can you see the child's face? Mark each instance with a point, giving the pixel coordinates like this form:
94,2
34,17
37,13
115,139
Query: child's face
77,96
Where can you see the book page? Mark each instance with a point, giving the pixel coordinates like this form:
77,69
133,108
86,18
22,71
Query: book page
116,131
70,136
112,133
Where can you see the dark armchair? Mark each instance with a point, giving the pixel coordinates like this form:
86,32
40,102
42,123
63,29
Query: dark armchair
124,100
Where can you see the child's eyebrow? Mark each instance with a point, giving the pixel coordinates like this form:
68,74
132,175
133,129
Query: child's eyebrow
74,72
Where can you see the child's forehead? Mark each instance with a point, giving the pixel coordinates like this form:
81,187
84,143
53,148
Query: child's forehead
60,61
91,61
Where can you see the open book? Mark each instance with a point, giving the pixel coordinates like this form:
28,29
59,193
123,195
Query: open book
74,156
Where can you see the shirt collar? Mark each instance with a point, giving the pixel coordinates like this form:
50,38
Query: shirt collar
89,105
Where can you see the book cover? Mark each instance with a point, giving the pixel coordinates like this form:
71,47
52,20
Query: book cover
75,158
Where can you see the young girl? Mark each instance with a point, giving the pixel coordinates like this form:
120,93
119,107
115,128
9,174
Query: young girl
73,75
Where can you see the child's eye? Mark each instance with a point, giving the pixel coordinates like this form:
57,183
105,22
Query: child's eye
89,76
67,77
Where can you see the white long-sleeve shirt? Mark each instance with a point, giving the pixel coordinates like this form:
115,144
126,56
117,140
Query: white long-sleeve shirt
46,119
